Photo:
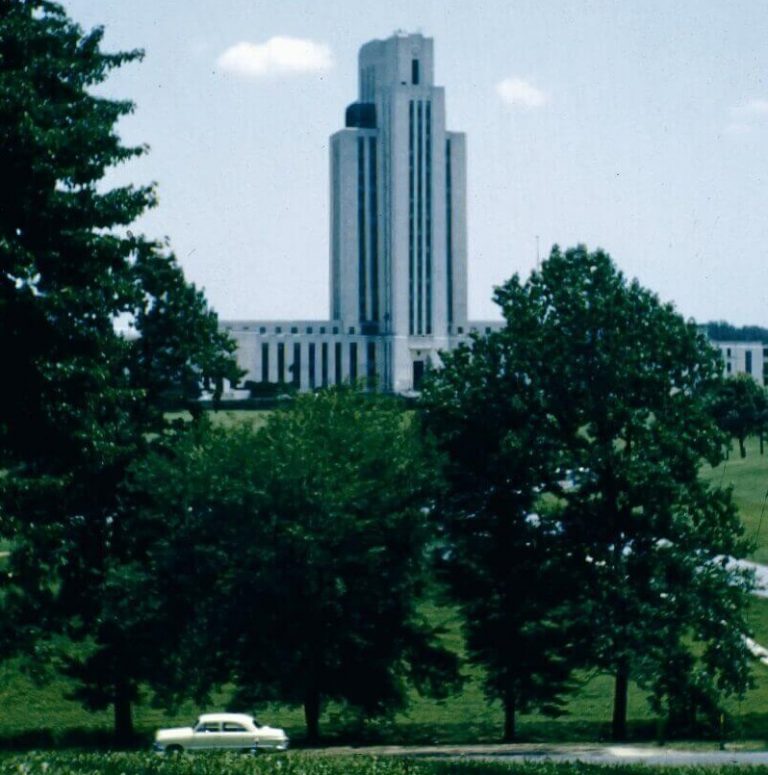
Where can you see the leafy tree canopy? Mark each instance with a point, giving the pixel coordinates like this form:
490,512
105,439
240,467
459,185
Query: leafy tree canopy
740,408
80,400
721,331
307,541
612,425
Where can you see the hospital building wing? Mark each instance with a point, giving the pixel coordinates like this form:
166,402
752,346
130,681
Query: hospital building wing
398,239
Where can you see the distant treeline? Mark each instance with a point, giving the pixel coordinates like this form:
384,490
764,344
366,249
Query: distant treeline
720,331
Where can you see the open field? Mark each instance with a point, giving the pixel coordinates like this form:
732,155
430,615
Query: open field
749,479
39,716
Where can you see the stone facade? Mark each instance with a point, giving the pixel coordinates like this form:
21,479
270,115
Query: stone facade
743,358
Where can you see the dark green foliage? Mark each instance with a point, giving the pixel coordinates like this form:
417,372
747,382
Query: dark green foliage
504,560
61,278
629,379
298,553
612,426
740,408
79,400
303,764
721,331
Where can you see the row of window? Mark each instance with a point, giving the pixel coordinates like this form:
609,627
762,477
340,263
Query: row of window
328,373
294,329
350,330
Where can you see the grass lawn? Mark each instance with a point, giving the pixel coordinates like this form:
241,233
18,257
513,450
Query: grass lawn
228,418
749,479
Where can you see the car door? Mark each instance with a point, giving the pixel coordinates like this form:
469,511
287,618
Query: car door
236,736
207,736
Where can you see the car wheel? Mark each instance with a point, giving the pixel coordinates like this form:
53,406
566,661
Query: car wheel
173,750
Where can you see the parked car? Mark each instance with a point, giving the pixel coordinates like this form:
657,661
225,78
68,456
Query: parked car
221,732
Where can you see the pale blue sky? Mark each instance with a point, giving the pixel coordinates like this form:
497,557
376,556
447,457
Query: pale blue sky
640,127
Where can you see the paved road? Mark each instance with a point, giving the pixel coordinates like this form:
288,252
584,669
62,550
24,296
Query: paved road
614,755
761,576
592,754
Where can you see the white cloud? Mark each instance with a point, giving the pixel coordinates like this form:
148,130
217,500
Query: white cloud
520,93
737,128
752,108
747,116
280,55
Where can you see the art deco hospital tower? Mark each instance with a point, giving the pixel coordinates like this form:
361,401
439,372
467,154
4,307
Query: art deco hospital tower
398,238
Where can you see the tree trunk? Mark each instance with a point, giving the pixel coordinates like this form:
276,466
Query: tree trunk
762,440
123,715
510,707
742,448
312,715
621,687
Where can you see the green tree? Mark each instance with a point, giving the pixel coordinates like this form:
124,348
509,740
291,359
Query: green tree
82,400
739,407
627,380
316,555
505,562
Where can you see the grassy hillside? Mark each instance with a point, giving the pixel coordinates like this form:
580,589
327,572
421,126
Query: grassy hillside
749,479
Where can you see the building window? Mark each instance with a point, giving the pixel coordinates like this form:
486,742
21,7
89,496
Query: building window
728,351
411,215
460,329
335,329
337,353
296,365
309,329
449,229
748,361
728,367
428,218
265,362
324,363
373,220
278,330
415,72
362,258
351,329
262,329
419,217
371,365
280,362
311,357
294,330
418,374
353,362
322,329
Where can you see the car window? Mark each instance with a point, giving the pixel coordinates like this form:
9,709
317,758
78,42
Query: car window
208,726
231,726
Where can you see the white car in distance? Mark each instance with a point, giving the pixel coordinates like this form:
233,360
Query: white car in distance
221,732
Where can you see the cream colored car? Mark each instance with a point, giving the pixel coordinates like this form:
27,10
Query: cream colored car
221,732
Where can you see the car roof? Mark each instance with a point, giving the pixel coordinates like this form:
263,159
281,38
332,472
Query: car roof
214,717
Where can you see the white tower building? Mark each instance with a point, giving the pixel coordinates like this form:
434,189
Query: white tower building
398,240
398,211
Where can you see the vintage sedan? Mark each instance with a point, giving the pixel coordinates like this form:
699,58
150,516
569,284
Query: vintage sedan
221,732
